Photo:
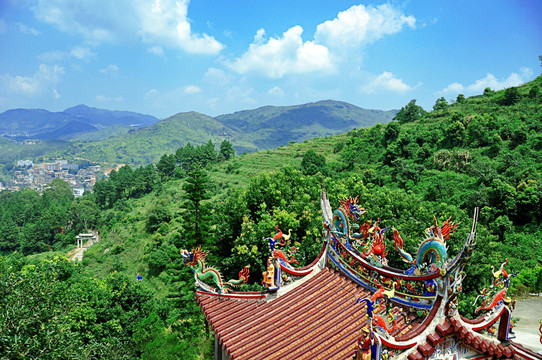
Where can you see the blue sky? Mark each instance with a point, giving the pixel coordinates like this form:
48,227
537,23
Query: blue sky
162,57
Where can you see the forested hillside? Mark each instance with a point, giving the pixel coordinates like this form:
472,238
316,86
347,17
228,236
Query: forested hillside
484,151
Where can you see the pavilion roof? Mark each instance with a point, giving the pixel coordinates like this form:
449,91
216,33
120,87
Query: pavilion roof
318,319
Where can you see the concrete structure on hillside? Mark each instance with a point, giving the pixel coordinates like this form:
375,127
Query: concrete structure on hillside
83,240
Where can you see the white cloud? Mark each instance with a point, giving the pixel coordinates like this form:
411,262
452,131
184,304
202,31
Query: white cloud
191,89
241,94
490,81
333,39
110,70
103,98
360,25
152,93
216,77
45,79
81,52
453,88
385,81
276,57
156,50
276,91
27,30
158,22
78,52
52,56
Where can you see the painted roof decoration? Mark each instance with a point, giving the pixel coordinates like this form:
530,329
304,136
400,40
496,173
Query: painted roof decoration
349,304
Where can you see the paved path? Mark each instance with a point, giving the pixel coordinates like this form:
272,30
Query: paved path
78,253
529,311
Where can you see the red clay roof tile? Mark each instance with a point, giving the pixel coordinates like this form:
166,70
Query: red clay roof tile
319,319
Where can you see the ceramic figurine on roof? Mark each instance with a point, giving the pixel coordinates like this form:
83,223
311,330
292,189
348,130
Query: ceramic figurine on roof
272,277
367,239
196,261
269,274
342,226
375,248
432,252
495,295
365,343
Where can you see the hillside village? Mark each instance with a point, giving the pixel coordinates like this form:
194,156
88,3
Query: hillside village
37,176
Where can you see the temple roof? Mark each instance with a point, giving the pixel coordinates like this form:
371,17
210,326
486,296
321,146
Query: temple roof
319,312
318,319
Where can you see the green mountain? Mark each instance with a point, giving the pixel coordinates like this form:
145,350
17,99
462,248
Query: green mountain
272,126
248,131
146,145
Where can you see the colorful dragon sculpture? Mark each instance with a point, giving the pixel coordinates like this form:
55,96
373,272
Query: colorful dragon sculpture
342,227
496,293
368,239
390,315
195,260
375,247
432,250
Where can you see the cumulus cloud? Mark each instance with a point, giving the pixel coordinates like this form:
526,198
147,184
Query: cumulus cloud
158,22
110,70
78,52
275,57
43,81
216,77
385,81
490,81
191,89
156,50
276,91
361,25
333,39
81,52
27,30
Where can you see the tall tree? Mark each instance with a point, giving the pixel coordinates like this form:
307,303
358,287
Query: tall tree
196,216
440,104
313,163
226,151
166,166
409,113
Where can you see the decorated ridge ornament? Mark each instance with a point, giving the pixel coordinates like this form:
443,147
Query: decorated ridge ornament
348,298
205,276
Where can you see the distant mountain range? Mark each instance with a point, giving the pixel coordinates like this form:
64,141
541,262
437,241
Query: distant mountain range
127,137
67,125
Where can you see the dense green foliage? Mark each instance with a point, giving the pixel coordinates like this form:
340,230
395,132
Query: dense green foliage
49,309
484,151
32,223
